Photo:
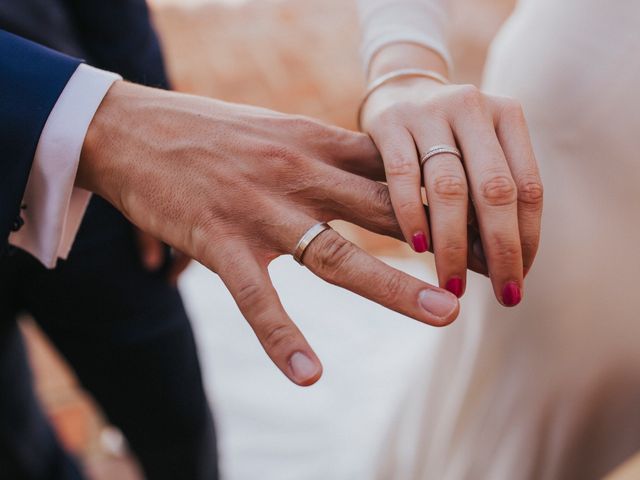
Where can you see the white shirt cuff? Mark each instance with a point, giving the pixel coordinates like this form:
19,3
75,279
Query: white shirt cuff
54,207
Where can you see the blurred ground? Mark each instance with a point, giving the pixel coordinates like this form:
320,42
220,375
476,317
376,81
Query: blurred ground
302,57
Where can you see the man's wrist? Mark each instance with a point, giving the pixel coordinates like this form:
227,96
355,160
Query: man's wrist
94,169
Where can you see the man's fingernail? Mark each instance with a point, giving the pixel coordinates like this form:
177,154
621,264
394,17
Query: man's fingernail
303,367
437,302
420,243
455,286
511,294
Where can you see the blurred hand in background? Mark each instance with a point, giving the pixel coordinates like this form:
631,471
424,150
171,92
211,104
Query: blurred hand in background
154,254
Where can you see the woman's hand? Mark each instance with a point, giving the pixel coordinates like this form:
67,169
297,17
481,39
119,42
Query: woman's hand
497,233
234,187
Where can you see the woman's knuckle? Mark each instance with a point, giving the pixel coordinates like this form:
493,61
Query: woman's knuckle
390,116
508,253
512,110
506,250
498,190
452,248
431,108
529,248
471,96
402,166
408,109
450,187
530,191
407,208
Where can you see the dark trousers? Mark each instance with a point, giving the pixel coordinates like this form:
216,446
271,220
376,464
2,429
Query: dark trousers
125,332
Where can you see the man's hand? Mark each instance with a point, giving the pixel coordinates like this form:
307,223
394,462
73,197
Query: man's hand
234,187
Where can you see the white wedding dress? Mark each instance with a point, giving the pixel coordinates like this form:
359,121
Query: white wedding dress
550,389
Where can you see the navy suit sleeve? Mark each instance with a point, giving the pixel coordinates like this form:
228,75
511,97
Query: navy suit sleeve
32,78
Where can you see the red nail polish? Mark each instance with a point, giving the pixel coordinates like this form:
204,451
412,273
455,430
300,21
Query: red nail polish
420,243
511,294
455,286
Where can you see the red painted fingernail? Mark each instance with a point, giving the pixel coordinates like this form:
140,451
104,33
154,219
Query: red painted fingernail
455,286
420,243
511,294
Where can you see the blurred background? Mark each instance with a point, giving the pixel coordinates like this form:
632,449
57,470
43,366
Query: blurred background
298,56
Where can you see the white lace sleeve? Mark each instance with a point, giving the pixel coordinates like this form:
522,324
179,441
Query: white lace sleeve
392,21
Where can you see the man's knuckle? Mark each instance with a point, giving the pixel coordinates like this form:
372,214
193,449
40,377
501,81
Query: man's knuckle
278,337
383,211
204,228
249,294
333,253
206,221
377,202
276,151
380,197
301,123
498,190
282,157
394,287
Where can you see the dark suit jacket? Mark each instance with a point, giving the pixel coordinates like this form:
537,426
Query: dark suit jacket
115,35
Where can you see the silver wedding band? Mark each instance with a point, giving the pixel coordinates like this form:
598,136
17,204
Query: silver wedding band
440,150
306,239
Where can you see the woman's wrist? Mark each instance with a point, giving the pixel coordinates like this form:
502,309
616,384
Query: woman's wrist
396,76
399,56
414,65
